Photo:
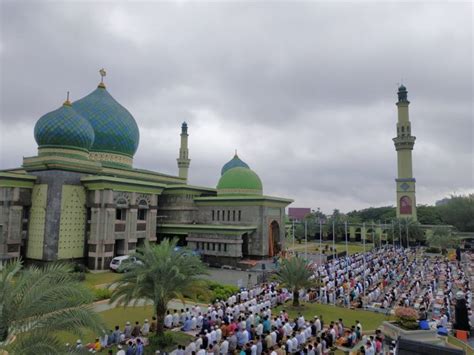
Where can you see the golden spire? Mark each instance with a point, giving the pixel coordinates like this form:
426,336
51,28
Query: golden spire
67,102
102,73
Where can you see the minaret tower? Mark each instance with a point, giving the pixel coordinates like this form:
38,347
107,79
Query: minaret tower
404,142
183,160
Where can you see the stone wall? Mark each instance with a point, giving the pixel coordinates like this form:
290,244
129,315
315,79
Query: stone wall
108,236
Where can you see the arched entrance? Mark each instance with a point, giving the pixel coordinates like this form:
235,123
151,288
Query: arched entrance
358,235
273,239
370,235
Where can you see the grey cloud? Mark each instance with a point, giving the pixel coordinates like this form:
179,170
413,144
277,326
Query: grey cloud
305,91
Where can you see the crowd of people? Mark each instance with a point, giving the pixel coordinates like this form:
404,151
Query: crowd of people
245,323
396,277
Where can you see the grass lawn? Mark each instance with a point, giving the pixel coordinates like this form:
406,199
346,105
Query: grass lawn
369,320
353,248
98,278
119,316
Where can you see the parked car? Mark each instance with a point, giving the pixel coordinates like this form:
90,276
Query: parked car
122,260
187,251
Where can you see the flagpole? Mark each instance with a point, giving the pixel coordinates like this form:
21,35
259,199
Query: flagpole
345,231
320,253
293,235
306,239
408,240
365,235
393,234
347,255
400,232
334,261
320,242
373,236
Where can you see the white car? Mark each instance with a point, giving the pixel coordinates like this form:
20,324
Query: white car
118,260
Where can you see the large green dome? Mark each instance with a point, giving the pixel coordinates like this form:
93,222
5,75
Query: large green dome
239,181
235,162
64,128
115,128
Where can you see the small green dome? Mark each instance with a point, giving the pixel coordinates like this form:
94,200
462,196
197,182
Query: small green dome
235,162
115,128
64,128
239,181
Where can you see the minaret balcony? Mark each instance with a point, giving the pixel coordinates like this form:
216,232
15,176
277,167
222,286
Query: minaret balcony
404,142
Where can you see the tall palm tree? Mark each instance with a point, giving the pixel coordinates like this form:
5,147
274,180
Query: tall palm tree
36,302
295,273
160,274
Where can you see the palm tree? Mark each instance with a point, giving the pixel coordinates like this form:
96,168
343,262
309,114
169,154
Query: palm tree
295,273
35,303
160,274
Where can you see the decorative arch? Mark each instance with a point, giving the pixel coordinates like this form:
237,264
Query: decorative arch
273,238
405,205
358,234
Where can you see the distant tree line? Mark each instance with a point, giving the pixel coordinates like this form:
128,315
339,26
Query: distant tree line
458,211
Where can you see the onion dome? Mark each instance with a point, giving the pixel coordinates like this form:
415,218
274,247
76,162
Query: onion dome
64,128
115,128
235,162
239,181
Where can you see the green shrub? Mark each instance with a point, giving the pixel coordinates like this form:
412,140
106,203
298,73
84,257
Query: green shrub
102,293
222,292
433,250
161,341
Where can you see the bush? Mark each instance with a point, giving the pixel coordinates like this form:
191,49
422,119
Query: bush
407,317
433,250
222,292
102,293
161,341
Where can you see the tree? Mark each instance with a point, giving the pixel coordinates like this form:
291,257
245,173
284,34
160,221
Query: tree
38,302
161,273
459,211
429,214
295,273
400,228
442,239
339,228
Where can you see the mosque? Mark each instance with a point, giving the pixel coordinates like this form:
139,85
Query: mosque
80,198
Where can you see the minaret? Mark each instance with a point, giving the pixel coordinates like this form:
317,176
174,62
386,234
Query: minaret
404,142
183,160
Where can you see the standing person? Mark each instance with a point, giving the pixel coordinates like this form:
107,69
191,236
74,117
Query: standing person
153,324
136,330
120,350
140,349
146,328
127,331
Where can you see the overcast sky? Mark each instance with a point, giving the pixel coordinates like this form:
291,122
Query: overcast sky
304,91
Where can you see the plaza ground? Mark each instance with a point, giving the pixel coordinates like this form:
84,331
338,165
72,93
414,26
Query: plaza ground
313,247
370,321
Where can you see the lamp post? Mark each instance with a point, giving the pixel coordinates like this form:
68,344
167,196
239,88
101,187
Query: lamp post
293,234
306,239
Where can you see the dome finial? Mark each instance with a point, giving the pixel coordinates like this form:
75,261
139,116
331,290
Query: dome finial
236,153
67,102
102,73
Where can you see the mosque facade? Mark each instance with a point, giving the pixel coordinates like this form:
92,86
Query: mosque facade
80,198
